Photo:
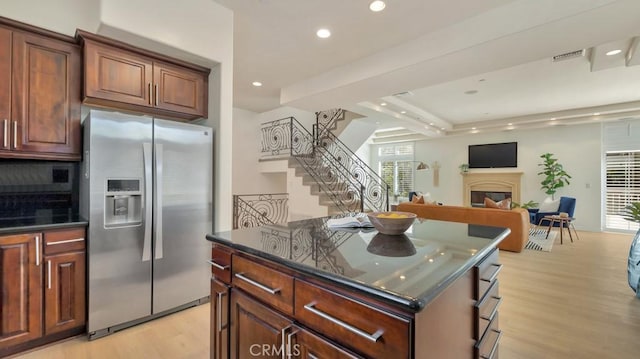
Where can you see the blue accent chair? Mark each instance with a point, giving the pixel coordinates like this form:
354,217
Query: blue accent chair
567,205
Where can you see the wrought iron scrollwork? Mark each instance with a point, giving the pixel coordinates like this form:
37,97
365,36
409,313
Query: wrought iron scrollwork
342,177
253,210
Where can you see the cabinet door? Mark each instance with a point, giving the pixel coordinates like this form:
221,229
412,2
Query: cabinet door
64,292
5,87
256,331
219,320
45,96
180,89
310,346
118,75
21,281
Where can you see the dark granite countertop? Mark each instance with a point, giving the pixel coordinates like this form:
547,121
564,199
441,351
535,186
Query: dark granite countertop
40,222
407,271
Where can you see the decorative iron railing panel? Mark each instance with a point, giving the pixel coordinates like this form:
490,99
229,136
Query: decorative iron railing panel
327,120
253,210
340,174
334,180
376,190
276,137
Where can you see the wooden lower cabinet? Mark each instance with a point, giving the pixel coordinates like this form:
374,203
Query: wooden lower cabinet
219,320
256,331
64,297
310,346
43,278
21,279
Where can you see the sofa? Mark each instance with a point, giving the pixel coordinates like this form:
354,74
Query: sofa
517,220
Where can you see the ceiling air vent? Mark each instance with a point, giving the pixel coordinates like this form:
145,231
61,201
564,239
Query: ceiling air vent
405,93
568,55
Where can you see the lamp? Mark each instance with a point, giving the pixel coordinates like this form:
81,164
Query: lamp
421,166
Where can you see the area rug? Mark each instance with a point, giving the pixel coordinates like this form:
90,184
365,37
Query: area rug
537,240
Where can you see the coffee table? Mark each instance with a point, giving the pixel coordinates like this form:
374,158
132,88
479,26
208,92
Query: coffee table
563,222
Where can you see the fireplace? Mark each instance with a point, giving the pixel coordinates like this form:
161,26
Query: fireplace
477,197
495,185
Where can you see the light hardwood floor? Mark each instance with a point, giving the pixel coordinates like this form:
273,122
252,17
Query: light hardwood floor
573,302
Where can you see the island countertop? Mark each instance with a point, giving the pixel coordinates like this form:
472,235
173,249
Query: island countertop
407,271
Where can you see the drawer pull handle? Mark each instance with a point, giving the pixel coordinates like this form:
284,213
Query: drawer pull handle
371,337
494,275
254,283
5,135
216,265
66,241
494,311
494,347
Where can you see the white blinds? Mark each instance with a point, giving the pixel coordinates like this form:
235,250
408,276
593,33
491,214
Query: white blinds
396,167
622,147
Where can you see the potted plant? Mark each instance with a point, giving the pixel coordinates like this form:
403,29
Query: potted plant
526,205
555,176
464,168
632,213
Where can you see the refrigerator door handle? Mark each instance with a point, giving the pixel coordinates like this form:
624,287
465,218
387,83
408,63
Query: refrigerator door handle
148,189
158,200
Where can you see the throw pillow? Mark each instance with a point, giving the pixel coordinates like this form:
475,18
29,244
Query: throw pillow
504,204
417,199
549,205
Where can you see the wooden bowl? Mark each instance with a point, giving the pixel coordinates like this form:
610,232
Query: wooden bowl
393,222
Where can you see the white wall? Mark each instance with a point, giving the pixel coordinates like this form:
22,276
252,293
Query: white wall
578,148
197,30
248,177
62,16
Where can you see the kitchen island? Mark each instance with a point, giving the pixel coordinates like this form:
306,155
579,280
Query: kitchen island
305,290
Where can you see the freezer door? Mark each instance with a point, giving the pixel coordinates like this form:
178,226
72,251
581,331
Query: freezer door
182,213
119,243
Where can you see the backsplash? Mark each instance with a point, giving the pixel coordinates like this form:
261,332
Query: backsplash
38,188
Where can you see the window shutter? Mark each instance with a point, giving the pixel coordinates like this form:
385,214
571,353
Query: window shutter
622,146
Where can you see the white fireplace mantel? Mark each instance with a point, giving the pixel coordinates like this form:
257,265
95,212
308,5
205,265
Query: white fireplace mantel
491,182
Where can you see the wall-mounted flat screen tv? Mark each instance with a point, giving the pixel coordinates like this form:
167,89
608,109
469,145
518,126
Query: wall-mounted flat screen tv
493,155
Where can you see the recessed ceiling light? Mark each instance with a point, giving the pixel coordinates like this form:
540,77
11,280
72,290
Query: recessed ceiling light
473,128
614,52
383,104
509,124
430,123
377,5
323,33
256,83
552,119
403,112
596,113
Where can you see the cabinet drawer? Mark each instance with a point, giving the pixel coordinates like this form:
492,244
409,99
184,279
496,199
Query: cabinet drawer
269,285
485,274
354,324
487,347
486,310
64,240
221,264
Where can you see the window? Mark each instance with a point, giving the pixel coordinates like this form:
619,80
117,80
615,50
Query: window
623,187
622,166
395,165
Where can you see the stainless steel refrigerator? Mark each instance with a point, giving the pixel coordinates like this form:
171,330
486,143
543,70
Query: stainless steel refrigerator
147,185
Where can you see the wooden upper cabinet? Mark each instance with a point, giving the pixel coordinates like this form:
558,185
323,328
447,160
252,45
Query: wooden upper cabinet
117,75
21,281
40,93
5,87
179,89
46,95
122,76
